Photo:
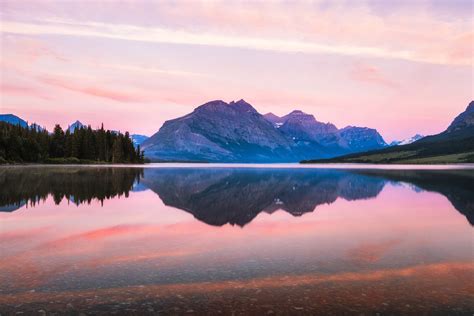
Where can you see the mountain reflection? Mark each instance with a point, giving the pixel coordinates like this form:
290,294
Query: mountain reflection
236,196
31,185
456,185
219,196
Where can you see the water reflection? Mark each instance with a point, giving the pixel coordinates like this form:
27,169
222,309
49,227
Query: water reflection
237,196
313,241
30,185
227,196
456,185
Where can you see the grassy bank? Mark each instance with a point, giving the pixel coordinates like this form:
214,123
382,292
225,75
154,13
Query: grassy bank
403,157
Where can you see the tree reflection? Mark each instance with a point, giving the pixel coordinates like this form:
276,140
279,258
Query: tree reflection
219,196
31,185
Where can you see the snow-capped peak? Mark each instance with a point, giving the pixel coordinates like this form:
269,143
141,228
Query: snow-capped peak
407,140
76,125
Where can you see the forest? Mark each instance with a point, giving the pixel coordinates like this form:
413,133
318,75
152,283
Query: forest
35,145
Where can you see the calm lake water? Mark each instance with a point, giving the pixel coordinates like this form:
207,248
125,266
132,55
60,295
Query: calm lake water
219,239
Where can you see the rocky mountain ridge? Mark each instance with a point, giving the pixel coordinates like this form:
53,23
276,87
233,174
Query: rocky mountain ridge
235,132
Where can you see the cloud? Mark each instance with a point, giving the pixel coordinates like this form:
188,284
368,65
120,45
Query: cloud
88,89
25,50
152,70
18,90
370,74
313,43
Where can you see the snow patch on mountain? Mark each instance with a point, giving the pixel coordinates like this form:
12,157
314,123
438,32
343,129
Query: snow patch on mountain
407,140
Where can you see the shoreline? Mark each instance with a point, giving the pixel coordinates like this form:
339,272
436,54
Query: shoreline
183,165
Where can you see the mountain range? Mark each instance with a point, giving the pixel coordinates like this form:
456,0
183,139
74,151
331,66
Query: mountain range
454,145
13,119
235,132
407,141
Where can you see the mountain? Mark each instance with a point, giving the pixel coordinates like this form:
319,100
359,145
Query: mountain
220,132
302,126
76,125
13,119
138,139
407,141
464,121
312,136
236,132
274,119
307,134
359,139
454,145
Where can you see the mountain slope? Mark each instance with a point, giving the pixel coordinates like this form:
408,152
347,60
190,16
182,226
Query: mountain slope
138,139
76,125
302,126
219,132
274,119
236,132
359,139
312,136
13,119
455,144
407,141
464,120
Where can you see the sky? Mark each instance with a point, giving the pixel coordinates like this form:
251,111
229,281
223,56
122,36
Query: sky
402,67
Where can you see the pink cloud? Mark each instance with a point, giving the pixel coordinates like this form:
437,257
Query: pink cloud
18,90
463,48
370,74
26,50
88,89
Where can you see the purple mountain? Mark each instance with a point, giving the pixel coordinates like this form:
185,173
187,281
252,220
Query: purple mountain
235,132
305,131
220,132
463,120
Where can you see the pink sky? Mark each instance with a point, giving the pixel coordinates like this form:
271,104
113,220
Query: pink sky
402,67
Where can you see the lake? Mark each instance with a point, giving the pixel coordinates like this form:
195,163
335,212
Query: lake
237,239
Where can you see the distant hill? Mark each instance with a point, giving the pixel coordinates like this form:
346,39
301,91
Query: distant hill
454,145
235,132
138,139
76,125
13,119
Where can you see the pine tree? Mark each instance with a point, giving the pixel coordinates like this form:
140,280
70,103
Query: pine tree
117,151
57,142
19,144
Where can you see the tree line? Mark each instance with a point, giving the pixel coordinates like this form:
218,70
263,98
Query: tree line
35,145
